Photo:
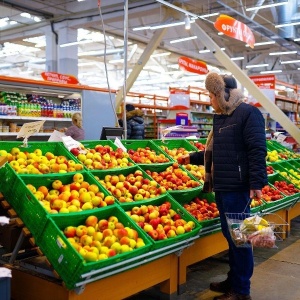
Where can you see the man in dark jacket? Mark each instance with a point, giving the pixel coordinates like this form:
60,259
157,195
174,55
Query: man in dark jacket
235,169
135,123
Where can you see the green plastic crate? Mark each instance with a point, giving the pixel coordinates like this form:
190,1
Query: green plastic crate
8,179
135,144
159,168
295,163
276,146
67,262
202,141
159,244
188,197
101,175
286,167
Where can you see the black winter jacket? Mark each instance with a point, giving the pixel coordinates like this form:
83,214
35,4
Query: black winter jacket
135,125
239,150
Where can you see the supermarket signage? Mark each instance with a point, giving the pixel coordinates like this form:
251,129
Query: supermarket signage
235,29
59,78
29,129
70,143
179,99
192,65
56,136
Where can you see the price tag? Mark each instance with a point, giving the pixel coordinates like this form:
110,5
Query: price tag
56,136
28,129
281,138
119,144
70,143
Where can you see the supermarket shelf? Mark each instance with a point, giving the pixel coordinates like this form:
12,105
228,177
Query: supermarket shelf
16,133
6,117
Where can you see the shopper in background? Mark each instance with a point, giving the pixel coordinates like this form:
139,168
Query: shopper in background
135,123
76,131
235,166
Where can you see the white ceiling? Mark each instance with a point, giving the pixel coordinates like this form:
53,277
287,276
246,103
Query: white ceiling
24,45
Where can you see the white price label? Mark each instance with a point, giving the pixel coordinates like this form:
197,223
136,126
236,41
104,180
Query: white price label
56,136
119,144
29,129
70,143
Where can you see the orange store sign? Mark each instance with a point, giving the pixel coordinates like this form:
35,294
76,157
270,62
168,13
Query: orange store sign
192,65
59,78
235,29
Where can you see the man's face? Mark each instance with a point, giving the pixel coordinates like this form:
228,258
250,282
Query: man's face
214,102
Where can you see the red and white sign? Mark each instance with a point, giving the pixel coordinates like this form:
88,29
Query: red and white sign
179,99
192,65
235,29
59,78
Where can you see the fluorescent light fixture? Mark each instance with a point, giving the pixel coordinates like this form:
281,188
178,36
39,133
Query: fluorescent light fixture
204,51
256,66
25,15
76,43
2,66
237,58
223,48
83,64
161,54
187,23
290,62
183,39
154,27
283,53
287,24
271,72
220,33
101,52
266,6
209,15
297,40
262,43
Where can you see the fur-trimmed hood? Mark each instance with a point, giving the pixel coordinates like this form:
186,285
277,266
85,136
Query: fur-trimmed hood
224,87
134,113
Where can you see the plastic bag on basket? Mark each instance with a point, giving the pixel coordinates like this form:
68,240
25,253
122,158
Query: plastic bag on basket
253,223
264,238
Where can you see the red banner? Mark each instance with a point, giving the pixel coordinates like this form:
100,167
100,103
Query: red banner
264,81
59,78
192,65
235,29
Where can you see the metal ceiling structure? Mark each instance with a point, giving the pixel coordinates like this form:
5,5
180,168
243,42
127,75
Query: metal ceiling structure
23,53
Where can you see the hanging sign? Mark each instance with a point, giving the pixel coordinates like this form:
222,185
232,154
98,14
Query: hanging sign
28,129
59,78
235,29
192,65
70,143
179,99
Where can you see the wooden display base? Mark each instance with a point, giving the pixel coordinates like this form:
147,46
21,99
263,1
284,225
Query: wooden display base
162,271
203,248
292,213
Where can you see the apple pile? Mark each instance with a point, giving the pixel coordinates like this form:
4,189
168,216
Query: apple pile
102,157
201,209
291,178
160,222
173,178
76,196
197,171
198,145
255,202
286,188
132,187
100,239
147,156
175,152
270,170
36,162
271,194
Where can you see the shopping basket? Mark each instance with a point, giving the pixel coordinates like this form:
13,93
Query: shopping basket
256,230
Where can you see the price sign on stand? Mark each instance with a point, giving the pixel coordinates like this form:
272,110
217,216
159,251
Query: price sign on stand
29,129
70,143
119,144
56,136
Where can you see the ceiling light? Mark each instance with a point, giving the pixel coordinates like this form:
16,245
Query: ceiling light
266,6
262,43
2,66
183,39
287,24
290,62
76,43
237,58
25,15
209,15
161,54
187,23
256,66
271,72
204,51
154,27
297,40
101,52
283,52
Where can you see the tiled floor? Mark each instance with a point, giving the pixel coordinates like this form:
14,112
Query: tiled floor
276,274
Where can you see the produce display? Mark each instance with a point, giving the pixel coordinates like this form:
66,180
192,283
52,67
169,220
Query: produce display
196,170
291,178
160,222
37,162
100,239
286,188
147,156
131,187
173,178
271,194
102,157
74,196
198,145
278,155
175,153
270,170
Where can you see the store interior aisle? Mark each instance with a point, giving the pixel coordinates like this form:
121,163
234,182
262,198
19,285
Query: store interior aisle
276,273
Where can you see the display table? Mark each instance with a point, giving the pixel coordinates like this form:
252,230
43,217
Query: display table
162,271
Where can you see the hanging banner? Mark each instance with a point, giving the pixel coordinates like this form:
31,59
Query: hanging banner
192,65
59,78
235,29
179,99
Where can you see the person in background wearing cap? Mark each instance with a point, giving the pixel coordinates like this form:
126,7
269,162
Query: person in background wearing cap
235,169
135,123
76,131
